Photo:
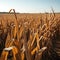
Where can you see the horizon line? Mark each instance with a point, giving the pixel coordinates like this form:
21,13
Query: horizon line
28,12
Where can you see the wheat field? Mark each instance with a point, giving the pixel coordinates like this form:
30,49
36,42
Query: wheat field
29,36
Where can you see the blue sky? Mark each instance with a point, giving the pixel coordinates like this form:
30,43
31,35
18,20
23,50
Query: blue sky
30,6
